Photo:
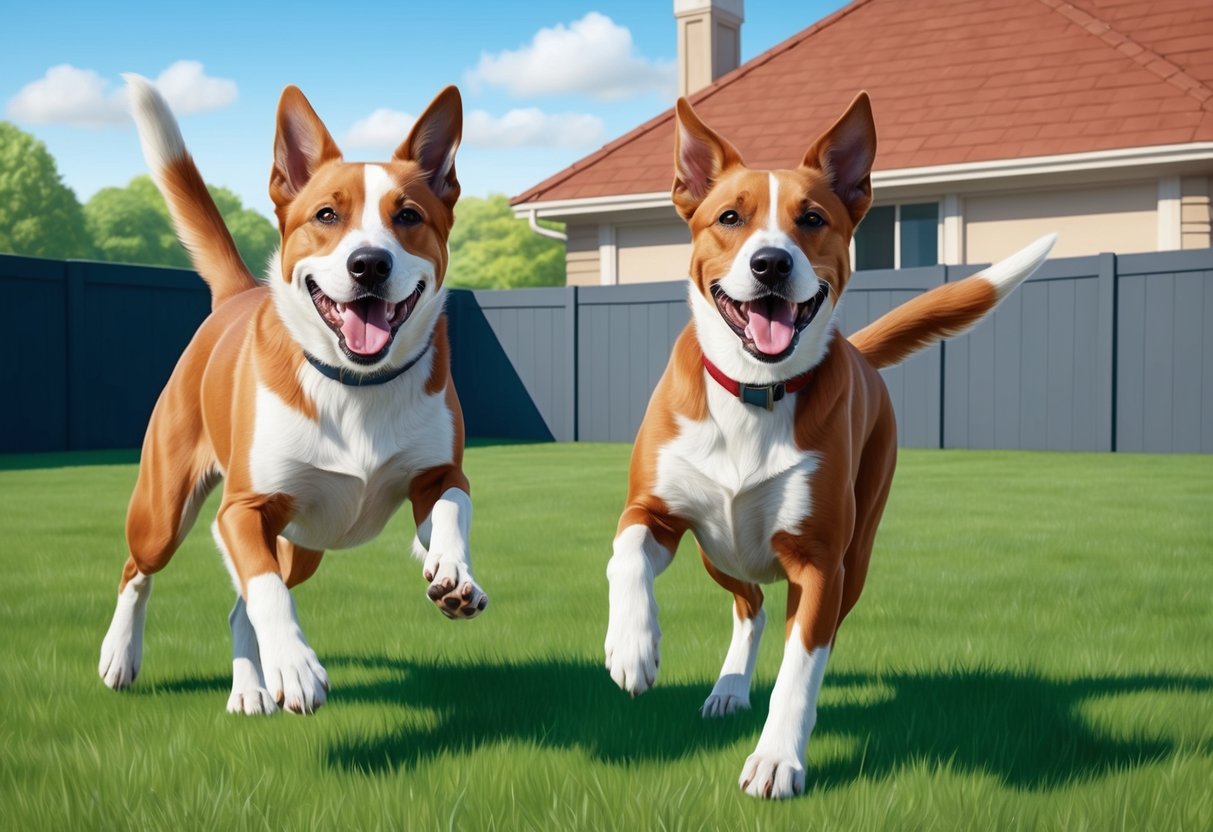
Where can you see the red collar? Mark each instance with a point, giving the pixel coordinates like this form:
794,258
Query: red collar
759,395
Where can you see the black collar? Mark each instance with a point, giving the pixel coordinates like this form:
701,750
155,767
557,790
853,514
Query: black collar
351,378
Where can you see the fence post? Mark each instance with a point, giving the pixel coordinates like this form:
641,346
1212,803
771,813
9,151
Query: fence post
76,358
570,364
1107,340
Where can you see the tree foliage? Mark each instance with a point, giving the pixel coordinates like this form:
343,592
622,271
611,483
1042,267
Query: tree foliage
39,215
132,225
492,249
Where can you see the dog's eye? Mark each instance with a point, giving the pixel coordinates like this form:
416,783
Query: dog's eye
326,215
811,219
407,216
730,218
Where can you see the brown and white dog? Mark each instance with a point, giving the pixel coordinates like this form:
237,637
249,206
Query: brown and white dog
770,436
323,399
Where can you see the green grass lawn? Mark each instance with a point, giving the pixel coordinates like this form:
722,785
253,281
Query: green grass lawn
1034,650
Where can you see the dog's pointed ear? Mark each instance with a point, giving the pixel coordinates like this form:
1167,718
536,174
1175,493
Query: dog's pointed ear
301,145
700,157
433,141
845,154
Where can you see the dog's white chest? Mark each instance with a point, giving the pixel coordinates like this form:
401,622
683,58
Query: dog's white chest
738,478
350,469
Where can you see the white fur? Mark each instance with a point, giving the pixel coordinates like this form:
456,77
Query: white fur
1006,274
159,135
732,690
349,470
249,694
330,272
633,638
739,478
776,768
293,674
122,647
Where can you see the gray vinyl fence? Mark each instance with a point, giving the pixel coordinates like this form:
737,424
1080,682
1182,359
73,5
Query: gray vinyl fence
1092,353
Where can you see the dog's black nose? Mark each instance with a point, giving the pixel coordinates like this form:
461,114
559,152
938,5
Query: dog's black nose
370,265
771,265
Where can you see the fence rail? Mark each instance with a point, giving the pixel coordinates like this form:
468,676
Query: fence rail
1092,353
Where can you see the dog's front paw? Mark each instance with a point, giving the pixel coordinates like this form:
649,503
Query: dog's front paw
120,656
772,776
294,676
633,654
249,694
453,590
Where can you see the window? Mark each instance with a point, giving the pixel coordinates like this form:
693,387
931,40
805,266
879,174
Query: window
898,237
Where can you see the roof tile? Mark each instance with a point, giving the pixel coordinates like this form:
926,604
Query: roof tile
951,81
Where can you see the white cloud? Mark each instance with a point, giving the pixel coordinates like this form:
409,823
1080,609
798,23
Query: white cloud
382,128
82,98
188,89
529,127
591,56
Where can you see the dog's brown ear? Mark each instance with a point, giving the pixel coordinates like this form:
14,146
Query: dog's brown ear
301,145
700,157
433,141
845,153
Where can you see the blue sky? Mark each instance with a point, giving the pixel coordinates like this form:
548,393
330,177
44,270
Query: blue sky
544,83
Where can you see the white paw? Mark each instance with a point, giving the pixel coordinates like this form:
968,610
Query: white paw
633,653
121,654
453,590
252,702
249,694
772,776
723,704
293,675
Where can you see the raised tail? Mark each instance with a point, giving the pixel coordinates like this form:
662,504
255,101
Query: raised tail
199,226
947,310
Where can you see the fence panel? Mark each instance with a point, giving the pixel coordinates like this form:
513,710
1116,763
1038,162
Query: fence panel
624,338
128,326
915,386
35,344
1164,376
512,360
1037,373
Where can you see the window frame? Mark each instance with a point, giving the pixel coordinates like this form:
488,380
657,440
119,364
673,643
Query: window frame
896,206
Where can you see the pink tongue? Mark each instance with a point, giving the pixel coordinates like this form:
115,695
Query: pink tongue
365,327
771,325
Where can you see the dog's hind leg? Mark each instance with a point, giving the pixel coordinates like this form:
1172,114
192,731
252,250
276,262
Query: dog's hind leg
732,690
171,488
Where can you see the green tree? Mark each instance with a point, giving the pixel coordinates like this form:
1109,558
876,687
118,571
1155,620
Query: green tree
132,225
492,249
39,215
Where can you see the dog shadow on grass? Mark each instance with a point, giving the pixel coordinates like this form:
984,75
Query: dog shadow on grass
1024,729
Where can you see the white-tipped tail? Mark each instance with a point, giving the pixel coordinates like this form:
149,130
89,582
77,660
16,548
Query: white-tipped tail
159,134
199,226
1006,274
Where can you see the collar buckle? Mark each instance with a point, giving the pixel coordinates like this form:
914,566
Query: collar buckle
761,395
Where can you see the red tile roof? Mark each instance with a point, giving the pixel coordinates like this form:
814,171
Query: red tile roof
951,81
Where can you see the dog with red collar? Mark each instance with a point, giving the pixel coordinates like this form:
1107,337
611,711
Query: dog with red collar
322,398
770,437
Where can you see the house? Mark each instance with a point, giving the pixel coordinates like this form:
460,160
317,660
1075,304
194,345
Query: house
998,120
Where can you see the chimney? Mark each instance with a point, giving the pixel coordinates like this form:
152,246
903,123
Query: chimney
709,41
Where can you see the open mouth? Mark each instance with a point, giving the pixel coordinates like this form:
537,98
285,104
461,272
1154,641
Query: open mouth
768,326
367,325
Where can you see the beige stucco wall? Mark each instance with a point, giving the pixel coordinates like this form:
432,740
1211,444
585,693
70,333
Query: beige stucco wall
581,255
652,251
1121,218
